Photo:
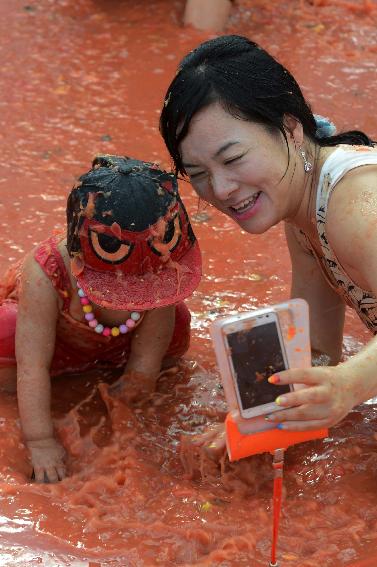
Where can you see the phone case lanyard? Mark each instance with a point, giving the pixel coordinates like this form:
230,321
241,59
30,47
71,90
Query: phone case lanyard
277,464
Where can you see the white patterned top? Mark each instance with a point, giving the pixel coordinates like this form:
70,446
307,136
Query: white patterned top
342,160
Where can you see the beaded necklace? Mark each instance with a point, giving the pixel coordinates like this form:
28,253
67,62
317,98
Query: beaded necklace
98,327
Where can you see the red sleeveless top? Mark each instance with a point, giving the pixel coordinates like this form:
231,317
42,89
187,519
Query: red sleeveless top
77,346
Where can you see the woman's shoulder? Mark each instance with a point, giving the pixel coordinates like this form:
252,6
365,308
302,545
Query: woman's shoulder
352,215
341,159
345,170
356,191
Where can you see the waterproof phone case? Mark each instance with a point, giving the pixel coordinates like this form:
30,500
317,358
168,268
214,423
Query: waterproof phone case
249,348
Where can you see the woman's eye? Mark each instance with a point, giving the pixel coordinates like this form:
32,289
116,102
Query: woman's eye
171,238
109,248
199,175
231,160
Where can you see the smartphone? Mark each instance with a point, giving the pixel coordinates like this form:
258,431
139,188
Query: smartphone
256,351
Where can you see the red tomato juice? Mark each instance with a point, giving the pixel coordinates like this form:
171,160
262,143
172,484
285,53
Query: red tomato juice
89,76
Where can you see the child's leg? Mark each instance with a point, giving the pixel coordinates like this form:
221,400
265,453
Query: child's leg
8,379
8,318
181,337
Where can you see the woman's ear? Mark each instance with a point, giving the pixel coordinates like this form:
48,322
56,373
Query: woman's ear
294,129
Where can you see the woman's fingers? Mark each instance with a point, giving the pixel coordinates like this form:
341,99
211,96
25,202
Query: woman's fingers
300,413
326,400
308,376
314,395
313,402
308,425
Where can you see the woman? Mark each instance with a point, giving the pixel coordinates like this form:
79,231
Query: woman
236,123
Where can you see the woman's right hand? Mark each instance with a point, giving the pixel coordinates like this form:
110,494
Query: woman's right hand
47,457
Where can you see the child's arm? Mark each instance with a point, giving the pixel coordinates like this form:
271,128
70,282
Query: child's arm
150,342
35,344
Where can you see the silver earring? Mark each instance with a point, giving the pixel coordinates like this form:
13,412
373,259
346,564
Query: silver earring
307,165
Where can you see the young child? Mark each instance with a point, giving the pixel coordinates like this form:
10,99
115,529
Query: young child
110,294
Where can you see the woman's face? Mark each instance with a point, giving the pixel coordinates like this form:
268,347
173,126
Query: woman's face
240,168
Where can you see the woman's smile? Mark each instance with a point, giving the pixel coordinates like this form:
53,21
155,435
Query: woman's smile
246,208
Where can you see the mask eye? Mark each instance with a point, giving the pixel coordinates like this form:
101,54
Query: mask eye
109,248
172,236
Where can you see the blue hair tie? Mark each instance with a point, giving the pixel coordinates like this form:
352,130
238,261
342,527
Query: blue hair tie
325,128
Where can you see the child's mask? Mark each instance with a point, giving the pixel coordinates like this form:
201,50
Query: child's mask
130,235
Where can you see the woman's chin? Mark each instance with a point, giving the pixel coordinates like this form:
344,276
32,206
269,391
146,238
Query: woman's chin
255,225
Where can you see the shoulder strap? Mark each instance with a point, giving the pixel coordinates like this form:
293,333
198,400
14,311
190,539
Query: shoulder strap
50,260
341,161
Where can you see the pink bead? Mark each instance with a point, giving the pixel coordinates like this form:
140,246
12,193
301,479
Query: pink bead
106,332
89,316
93,323
84,301
123,329
130,323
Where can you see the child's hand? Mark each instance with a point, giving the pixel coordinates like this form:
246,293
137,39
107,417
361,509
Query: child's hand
47,457
134,387
212,440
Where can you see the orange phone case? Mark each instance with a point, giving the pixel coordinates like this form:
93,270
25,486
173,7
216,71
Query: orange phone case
245,437
240,445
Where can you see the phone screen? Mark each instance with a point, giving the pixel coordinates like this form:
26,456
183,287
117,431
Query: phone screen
256,355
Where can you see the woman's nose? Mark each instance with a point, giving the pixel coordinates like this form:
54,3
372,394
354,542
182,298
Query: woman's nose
222,187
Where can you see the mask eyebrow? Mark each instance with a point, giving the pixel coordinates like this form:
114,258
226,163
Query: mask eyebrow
219,152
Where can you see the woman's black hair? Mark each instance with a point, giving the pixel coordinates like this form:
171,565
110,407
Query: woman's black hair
249,83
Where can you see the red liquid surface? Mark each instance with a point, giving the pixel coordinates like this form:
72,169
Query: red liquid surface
88,76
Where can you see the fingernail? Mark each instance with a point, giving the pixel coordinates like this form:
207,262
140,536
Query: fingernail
274,379
280,400
280,426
